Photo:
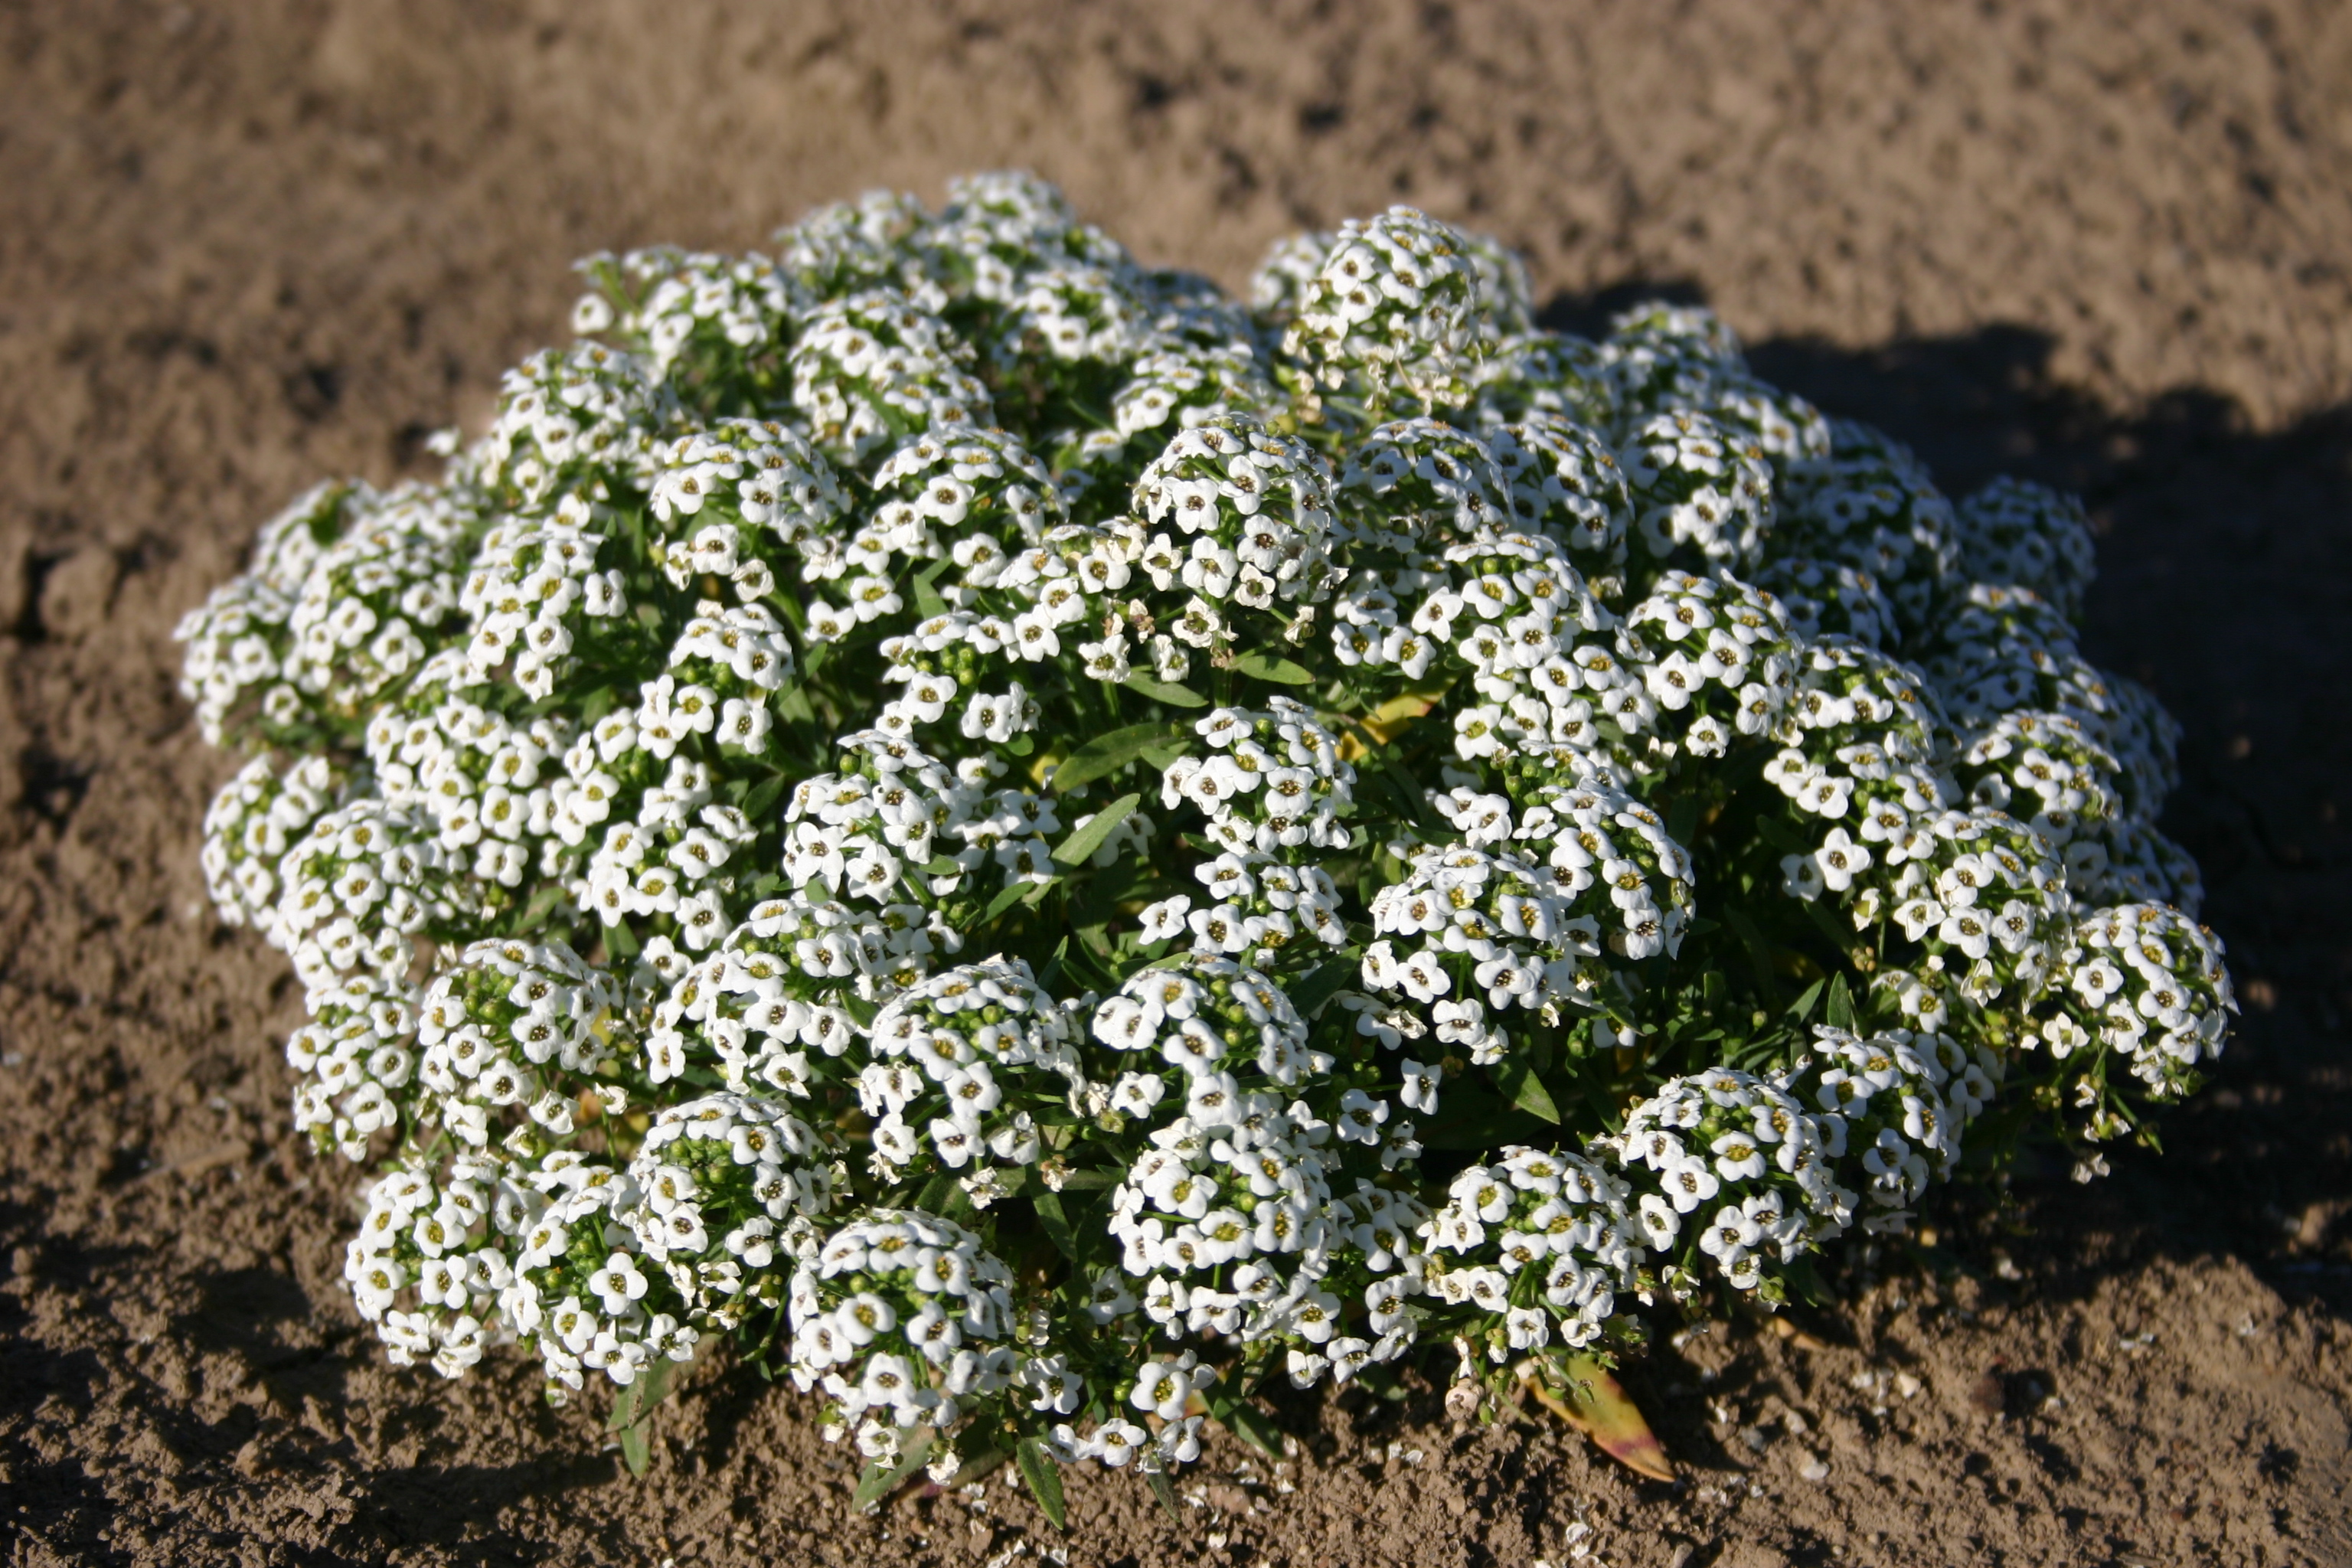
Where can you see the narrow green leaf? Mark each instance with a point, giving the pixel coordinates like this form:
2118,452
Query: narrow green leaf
1595,1405
534,914
1105,754
625,1405
1802,1008
1166,1493
935,1193
764,794
1759,952
878,1483
1054,1221
1089,1181
1783,838
1326,980
620,942
1526,1089
1840,1012
1044,1475
1254,1427
1005,900
815,660
1266,666
927,602
1080,846
1161,692
1842,937
636,1451
1682,821
1409,792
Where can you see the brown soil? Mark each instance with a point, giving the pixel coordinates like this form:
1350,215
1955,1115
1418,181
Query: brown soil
243,245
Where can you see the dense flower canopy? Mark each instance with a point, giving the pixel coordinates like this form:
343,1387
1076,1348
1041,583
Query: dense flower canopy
1041,845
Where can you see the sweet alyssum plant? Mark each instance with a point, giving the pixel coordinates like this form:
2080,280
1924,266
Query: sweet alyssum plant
1038,846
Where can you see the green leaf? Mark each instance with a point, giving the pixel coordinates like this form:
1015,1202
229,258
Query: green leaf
1682,821
927,602
764,794
1471,1118
1089,1181
878,1483
1161,692
1080,846
935,1193
1043,1474
1105,754
535,913
1166,1493
636,1451
620,942
655,1381
1840,937
1594,1404
626,1406
815,660
1054,1221
1802,1008
1759,952
1839,1013
1266,666
1782,837
1326,980
1526,1088
1019,746
1409,792
1005,900
1252,1426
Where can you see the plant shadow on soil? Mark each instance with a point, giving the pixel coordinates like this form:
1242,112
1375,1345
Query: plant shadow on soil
2227,556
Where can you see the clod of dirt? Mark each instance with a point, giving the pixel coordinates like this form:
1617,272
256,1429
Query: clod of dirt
78,592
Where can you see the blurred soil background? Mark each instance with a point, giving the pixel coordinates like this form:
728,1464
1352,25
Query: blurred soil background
2109,244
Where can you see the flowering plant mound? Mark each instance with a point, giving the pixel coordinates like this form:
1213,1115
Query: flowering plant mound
1038,846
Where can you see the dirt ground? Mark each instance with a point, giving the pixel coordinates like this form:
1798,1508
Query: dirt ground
243,245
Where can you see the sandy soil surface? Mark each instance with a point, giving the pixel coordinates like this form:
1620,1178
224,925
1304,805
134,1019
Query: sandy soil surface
244,245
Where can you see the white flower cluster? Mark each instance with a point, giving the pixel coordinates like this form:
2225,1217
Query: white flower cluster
2144,984
958,808
1228,1222
1391,312
1272,779
964,1064
725,1186
1541,1244
901,1317
1252,513
1734,1171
